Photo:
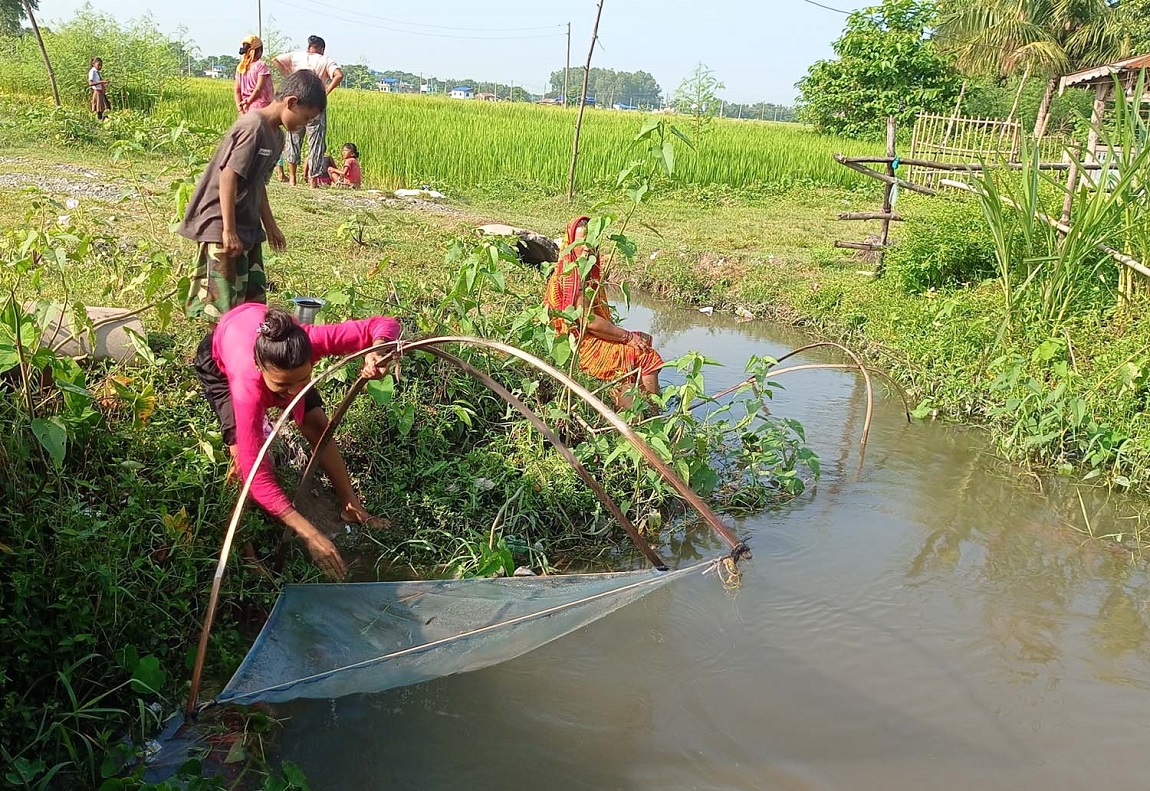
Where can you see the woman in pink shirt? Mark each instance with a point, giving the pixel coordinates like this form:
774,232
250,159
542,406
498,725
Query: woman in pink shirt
254,89
258,357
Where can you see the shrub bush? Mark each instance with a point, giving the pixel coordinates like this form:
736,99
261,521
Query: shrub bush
945,242
140,62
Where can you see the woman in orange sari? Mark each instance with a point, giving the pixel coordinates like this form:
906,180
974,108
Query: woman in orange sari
606,351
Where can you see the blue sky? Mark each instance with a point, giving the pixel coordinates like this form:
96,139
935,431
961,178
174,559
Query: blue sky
758,48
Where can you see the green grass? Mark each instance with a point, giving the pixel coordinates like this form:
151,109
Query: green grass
454,145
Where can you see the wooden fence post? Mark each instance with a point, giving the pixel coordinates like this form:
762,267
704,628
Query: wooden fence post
888,194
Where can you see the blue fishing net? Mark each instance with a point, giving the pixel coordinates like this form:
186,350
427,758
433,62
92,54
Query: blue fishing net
326,641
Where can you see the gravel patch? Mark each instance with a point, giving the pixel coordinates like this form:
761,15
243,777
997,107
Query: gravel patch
366,199
82,185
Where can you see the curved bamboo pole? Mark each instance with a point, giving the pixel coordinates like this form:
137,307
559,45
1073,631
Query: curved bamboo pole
501,391
890,380
857,364
394,349
862,368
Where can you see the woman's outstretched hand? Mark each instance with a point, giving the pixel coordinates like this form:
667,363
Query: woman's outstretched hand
325,555
375,366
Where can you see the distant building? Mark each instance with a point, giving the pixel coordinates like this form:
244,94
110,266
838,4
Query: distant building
215,74
486,97
388,85
462,92
621,106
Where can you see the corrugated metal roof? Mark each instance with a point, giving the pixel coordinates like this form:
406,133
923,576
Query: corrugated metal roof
1090,75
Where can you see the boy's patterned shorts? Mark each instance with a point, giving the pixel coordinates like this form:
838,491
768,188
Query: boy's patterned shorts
222,282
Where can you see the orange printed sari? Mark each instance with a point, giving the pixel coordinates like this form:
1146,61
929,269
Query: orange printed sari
604,360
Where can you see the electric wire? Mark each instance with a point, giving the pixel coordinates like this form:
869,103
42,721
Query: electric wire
828,8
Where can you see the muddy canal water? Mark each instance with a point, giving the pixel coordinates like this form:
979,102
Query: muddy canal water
933,621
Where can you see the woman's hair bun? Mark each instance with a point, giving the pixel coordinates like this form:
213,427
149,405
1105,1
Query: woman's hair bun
277,324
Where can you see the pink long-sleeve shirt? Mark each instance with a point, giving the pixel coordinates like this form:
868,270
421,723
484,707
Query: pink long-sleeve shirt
233,348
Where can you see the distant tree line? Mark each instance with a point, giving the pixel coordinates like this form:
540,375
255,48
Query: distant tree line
607,87
759,111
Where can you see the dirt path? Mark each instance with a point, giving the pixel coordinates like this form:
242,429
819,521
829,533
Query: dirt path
64,180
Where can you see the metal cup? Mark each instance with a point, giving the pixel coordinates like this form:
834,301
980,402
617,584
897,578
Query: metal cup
305,309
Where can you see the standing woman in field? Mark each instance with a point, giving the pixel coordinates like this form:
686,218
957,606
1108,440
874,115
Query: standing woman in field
99,88
254,89
606,351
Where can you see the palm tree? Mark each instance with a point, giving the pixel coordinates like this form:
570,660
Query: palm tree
1047,37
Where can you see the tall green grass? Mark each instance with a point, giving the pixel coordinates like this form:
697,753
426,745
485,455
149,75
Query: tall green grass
139,62
409,141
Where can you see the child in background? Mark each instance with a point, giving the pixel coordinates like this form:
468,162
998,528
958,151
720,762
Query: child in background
99,88
350,174
229,215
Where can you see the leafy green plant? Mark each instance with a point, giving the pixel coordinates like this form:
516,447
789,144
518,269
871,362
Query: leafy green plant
944,243
886,63
356,228
1048,419
1047,270
139,63
696,97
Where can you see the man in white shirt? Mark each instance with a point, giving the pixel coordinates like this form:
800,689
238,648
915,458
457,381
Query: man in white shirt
331,74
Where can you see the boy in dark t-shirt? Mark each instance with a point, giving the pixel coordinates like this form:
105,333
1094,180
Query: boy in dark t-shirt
229,215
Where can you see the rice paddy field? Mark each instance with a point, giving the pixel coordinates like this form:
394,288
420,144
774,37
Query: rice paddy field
451,144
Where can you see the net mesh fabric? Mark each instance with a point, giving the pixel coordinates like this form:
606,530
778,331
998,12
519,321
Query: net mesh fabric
330,640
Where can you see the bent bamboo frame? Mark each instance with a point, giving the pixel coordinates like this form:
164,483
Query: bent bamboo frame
395,349
866,372
521,408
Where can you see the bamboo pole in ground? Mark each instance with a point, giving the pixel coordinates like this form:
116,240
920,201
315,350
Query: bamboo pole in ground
914,144
43,51
888,193
1096,114
582,106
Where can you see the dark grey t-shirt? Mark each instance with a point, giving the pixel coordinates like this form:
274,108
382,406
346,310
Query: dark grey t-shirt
251,148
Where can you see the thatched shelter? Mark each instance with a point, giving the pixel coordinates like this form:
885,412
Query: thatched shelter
1103,79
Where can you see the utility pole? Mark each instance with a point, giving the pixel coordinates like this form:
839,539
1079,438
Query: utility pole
260,19
582,106
567,66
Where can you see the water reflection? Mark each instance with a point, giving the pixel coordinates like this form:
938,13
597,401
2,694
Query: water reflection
935,621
